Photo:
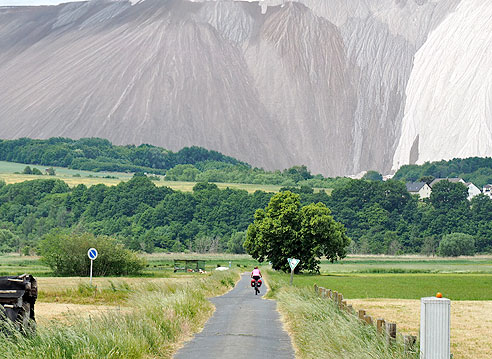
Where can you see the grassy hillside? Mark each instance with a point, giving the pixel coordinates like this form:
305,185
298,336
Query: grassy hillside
75,177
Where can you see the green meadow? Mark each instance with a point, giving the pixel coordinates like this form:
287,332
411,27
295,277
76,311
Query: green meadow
401,277
409,264
398,286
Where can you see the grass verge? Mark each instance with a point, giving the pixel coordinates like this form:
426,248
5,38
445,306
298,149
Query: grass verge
160,316
319,330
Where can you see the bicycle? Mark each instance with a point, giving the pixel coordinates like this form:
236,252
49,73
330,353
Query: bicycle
256,284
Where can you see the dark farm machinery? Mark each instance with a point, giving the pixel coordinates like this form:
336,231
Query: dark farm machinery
18,295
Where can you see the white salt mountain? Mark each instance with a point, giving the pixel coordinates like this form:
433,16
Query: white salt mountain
274,83
448,111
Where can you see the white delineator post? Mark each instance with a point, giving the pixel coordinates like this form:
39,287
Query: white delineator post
435,328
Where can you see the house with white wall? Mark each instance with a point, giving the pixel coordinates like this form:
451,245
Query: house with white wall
421,189
487,190
472,190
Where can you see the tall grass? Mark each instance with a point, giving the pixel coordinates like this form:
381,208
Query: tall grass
320,330
158,319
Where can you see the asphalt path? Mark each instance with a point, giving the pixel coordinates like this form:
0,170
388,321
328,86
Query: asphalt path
243,326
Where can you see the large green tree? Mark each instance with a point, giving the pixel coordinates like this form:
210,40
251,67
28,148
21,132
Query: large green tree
284,229
447,195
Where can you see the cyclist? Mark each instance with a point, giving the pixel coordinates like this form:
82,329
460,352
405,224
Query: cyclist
256,275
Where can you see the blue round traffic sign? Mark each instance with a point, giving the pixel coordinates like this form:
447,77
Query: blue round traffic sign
92,253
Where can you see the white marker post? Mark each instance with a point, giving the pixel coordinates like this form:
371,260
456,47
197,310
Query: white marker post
92,254
435,328
293,264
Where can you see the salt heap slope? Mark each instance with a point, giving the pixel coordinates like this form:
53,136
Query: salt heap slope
270,82
449,96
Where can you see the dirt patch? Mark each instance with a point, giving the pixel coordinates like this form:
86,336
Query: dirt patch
471,322
49,312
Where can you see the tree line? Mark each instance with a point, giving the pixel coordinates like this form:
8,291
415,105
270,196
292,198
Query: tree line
379,217
477,170
196,164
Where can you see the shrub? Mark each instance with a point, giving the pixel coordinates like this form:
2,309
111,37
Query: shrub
66,254
51,171
456,244
36,172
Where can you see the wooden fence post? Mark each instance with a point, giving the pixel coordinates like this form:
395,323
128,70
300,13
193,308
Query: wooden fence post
409,341
391,331
330,293
368,319
362,313
380,324
350,308
335,295
316,288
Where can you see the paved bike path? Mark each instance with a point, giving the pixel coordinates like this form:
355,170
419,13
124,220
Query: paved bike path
243,326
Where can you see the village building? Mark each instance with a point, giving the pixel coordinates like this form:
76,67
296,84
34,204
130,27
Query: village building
472,190
487,190
421,189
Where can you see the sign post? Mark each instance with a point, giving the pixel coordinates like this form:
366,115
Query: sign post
92,254
293,264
